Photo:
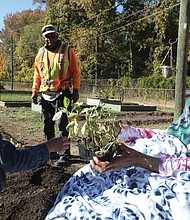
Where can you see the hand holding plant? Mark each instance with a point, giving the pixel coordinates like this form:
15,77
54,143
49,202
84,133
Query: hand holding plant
99,131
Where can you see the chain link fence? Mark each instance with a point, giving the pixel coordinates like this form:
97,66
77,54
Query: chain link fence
159,97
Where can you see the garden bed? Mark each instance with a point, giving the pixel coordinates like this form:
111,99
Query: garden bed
4,104
117,105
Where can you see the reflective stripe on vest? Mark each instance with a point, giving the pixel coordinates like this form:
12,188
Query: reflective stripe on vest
64,65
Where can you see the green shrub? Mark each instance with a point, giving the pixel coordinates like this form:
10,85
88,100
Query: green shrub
125,81
156,81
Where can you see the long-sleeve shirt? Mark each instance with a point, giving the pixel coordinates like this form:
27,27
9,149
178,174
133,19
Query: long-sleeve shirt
13,160
73,71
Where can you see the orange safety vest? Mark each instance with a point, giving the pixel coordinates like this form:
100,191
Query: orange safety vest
55,76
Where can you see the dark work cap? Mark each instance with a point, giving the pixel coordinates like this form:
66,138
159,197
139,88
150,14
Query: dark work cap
48,29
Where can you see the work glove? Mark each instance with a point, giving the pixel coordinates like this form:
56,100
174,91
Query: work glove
35,97
75,95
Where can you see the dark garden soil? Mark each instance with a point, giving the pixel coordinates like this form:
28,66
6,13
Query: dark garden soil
30,194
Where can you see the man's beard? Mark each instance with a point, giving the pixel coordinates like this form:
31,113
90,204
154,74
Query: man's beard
54,47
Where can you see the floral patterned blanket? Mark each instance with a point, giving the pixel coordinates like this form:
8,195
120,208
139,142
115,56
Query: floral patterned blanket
131,193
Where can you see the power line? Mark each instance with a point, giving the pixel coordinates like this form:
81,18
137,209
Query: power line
136,13
95,16
131,23
116,29
104,11
41,21
128,16
113,30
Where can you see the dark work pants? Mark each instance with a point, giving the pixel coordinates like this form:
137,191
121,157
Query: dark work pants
49,108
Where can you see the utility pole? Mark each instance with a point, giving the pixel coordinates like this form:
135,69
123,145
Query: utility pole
12,64
181,64
96,64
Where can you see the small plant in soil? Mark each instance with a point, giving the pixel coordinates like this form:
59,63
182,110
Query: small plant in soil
99,131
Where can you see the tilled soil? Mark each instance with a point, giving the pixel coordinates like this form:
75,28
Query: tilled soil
29,195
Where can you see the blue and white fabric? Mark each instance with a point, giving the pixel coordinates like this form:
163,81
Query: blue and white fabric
131,193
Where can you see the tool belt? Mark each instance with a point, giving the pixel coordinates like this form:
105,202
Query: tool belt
55,92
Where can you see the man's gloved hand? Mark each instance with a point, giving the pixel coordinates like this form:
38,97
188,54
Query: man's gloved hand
35,97
75,95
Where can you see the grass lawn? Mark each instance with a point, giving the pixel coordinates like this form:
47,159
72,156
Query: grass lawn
10,96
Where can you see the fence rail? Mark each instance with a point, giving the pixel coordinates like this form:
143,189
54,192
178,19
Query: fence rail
159,97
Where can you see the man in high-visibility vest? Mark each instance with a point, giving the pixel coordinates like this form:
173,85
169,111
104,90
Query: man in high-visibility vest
56,76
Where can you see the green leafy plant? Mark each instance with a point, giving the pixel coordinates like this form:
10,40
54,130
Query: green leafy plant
107,91
99,130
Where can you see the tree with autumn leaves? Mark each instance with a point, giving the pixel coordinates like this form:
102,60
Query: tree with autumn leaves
21,34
